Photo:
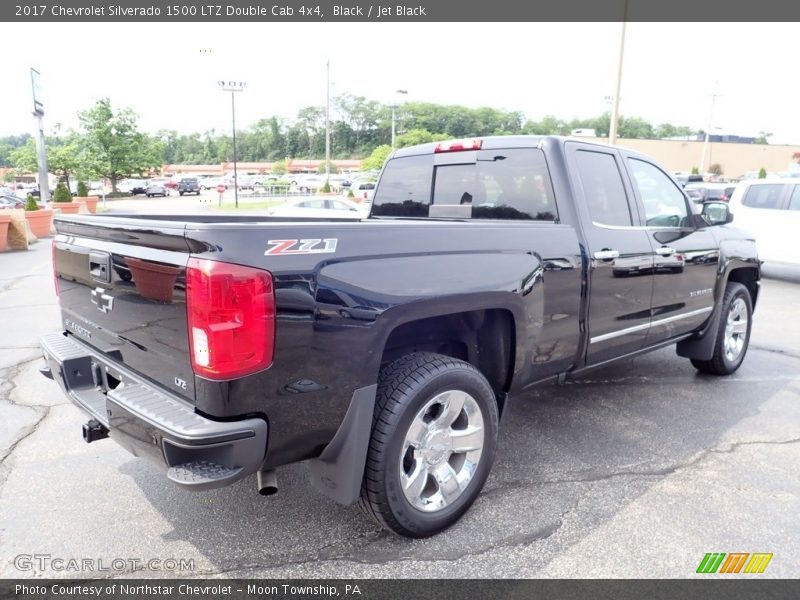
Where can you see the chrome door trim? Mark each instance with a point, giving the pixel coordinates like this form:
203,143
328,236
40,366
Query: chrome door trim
643,326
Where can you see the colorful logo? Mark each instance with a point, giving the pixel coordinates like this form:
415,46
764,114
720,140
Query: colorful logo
734,562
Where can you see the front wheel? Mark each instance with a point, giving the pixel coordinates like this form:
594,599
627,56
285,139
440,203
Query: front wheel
733,336
433,443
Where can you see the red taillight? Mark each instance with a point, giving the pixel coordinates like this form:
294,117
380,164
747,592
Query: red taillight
231,316
55,269
456,145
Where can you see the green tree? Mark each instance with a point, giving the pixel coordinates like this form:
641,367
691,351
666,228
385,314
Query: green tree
65,156
115,147
279,167
321,168
62,193
375,160
419,136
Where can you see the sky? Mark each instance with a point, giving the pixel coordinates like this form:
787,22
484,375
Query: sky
168,72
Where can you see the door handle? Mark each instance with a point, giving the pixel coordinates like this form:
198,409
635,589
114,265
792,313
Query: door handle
665,251
606,254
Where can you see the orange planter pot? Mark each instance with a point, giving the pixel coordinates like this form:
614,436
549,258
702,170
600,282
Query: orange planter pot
4,221
68,208
90,201
41,221
152,280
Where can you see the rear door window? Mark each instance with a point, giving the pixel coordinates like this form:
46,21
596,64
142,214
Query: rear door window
763,196
603,188
794,203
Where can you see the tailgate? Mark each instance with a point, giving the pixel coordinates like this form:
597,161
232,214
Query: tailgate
122,289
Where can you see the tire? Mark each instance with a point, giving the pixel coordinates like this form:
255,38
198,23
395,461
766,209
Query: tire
409,457
181,193
733,336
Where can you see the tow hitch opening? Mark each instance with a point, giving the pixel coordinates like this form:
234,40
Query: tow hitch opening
93,431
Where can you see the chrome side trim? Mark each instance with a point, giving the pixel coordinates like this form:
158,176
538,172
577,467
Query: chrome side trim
643,326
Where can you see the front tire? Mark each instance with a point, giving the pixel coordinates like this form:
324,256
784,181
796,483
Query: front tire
733,335
433,442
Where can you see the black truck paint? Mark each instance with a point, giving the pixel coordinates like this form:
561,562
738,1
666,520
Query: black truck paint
522,300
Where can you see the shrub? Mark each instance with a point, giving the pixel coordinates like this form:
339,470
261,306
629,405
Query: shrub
350,194
762,173
62,193
326,189
83,191
31,204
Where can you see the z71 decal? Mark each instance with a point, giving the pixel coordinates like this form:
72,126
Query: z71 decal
285,247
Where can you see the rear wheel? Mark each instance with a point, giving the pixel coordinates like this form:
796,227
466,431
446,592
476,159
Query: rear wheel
433,443
733,336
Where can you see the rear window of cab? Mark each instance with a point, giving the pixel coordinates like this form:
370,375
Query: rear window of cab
483,184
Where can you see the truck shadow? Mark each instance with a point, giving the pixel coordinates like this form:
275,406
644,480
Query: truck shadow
625,427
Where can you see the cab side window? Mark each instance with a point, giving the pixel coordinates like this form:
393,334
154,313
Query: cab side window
763,196
664,203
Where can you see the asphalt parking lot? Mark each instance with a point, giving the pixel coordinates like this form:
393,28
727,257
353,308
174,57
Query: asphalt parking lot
637,470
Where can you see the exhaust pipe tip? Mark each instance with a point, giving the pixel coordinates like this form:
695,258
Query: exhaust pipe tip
267,482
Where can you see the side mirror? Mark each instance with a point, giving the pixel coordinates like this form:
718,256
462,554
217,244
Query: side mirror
717,213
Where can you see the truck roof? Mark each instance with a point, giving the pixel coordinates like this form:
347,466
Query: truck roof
490,142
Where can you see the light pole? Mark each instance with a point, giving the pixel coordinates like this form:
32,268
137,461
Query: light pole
714,97
612,130
41,148
394,115
233,87
328,123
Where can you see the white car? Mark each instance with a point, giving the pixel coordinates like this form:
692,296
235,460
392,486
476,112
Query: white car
363,190
769,209
320,208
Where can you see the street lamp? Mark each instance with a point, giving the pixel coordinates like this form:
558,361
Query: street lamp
394,115
233,87
614,125
714,96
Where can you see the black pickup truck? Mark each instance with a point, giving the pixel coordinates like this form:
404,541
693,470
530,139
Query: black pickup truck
383,350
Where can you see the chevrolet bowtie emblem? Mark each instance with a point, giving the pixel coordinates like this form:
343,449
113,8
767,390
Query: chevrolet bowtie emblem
103,301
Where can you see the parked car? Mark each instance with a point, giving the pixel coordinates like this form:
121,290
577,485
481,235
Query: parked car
769,209
686,178
310,183
156,189
321,208
712,191
383,351
11,201
695,195
210,183
189,185
363,190
136,187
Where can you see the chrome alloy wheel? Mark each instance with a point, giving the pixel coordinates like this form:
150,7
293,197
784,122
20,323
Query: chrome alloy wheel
735,330
441,450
